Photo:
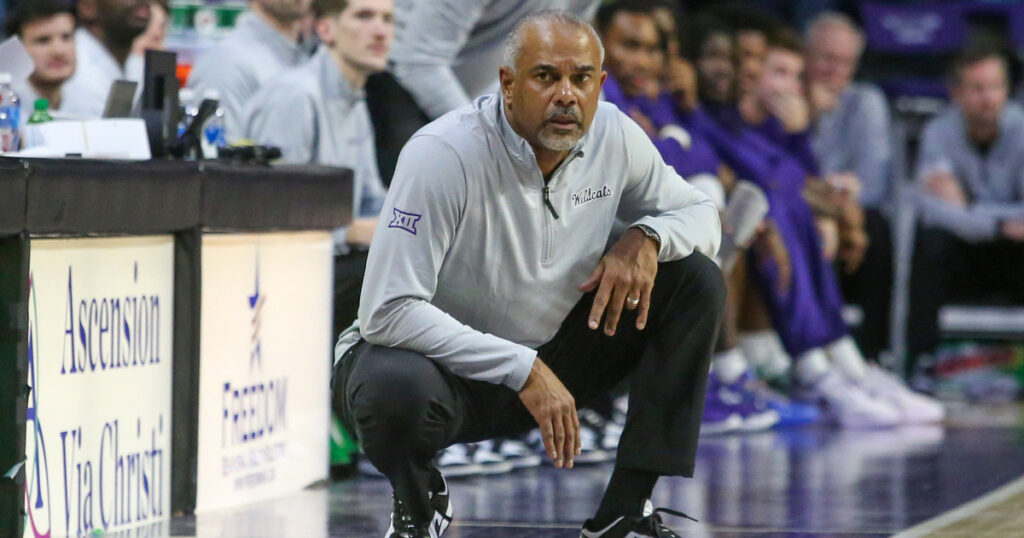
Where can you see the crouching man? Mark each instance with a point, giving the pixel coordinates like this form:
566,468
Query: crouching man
490,305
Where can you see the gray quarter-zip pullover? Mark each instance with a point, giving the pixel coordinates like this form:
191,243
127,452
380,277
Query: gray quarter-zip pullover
471,267
236,67
316,117
993,182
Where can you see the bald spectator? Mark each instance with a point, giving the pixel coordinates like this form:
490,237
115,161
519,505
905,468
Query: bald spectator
448,51
851,140
971,172
852,133
264,43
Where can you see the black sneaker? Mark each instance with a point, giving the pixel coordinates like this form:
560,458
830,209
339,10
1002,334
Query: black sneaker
402,524
628,527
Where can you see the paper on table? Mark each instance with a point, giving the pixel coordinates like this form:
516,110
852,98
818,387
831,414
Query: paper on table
14,59
99,139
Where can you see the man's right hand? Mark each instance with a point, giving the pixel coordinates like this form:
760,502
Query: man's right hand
945,186
792,110
554,409
360,231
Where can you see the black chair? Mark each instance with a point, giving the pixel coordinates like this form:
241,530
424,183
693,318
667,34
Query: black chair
395,116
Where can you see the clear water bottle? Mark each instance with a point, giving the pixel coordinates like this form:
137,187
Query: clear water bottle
187,99
213,130
10,116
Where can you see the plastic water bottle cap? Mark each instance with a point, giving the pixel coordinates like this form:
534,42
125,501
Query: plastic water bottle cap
5,78
41,104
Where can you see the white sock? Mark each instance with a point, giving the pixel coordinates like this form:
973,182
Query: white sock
811,366
764,351
729,366
846,356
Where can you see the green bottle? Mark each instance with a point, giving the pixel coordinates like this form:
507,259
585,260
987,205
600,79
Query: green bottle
41,113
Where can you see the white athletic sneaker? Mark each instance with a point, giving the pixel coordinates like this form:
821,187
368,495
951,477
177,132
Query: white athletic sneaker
518,454
489,460
611,435
620,408
914,408
606,431
849,405
457,461
649,524
590,450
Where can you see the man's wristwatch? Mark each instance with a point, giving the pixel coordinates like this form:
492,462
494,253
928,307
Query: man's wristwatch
649,232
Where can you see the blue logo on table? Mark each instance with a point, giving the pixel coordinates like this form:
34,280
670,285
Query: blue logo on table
254,405
37,486
404,221
256,301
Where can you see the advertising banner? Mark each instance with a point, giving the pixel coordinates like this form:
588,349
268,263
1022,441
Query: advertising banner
264,369
98,419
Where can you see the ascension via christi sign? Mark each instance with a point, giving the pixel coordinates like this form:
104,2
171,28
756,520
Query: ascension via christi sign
98,422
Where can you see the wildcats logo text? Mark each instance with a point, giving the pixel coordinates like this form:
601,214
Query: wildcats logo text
590,194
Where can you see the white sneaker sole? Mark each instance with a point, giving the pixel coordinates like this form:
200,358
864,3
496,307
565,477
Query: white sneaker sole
729,425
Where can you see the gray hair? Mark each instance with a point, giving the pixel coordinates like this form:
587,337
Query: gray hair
513,47
832,19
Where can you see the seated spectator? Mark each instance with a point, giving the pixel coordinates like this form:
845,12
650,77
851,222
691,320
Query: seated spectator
638,60
47,29
448,51
103,49
971,173
317,114
751,26
851,141
156,31
765,139
263,43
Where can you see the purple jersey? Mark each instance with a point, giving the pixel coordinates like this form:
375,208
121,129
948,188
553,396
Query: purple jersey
808,314
698,158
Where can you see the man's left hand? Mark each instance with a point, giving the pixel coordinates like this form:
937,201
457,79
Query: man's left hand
623,278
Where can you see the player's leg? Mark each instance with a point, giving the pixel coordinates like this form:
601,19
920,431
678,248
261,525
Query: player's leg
404,408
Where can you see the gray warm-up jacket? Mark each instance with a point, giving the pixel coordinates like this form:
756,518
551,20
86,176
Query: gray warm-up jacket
993,182
476,261
447,52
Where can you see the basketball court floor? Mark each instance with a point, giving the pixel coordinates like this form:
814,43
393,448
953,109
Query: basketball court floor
962,479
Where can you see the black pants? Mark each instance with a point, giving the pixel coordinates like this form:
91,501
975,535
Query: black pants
348,283
947,268
405,407
871,286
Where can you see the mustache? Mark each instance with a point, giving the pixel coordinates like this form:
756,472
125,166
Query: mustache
562,113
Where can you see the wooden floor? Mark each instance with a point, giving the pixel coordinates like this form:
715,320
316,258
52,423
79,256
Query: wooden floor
810,482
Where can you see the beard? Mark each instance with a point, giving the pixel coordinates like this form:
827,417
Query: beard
558,142
561,142
122,32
